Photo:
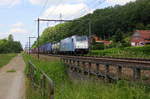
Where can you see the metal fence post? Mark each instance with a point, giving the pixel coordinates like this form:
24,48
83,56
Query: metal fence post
119,72
45,86
97,69
136,74
83,68
114,68
29,70
89,69
78,64
51,91
106,72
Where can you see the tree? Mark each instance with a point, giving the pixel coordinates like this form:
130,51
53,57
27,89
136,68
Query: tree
10,46
148,27
10,38
105,23
118,37
140,26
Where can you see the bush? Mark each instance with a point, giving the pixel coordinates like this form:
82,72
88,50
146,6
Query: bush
131,52
97,46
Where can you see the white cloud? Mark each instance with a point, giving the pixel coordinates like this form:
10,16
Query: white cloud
3,35
9,2
1,25
18,30
120,2
18,27
18,24
70,11
52,2
37,2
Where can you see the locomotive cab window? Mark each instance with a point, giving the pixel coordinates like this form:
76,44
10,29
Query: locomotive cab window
83,38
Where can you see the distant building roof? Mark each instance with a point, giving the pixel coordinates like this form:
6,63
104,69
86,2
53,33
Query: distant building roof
141,37
105,42
145,34
97,39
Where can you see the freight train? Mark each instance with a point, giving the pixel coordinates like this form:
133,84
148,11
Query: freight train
71,45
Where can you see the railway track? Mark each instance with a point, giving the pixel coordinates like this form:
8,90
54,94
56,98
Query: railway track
126,60
135,68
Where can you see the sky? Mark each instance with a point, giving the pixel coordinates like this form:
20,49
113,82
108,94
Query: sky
18,17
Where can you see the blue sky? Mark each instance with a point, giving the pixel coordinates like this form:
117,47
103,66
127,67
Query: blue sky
17,17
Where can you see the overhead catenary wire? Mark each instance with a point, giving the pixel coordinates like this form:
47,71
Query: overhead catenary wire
100,2
54,8
94,5
58,4
85,11
39,27
43,8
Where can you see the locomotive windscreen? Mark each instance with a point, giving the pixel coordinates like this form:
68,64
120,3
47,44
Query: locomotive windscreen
81,38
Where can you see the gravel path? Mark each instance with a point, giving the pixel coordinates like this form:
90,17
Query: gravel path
12,79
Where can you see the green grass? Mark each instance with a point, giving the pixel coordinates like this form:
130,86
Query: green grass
5,58
128,52
31,93
11,71
66,89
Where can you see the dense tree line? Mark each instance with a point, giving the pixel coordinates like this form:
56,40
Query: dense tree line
10,46
105,23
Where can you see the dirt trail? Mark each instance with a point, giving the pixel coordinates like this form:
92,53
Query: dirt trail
12,79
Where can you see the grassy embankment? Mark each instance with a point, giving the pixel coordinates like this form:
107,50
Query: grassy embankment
128,52
5,58
66,89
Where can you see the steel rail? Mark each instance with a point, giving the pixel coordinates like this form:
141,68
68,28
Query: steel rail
84,64
134,59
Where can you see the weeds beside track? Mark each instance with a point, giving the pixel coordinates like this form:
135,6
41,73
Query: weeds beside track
66,89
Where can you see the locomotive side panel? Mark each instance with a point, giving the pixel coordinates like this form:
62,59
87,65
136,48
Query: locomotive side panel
67,45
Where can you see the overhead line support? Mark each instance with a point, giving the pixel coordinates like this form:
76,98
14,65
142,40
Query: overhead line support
38,36
60,20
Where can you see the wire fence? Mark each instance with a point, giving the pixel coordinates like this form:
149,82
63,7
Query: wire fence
110,69
40,81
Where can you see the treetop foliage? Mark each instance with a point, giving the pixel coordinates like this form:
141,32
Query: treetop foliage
105,22
10,46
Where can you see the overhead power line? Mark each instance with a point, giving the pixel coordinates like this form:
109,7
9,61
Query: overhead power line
43,8
94,2
54,8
